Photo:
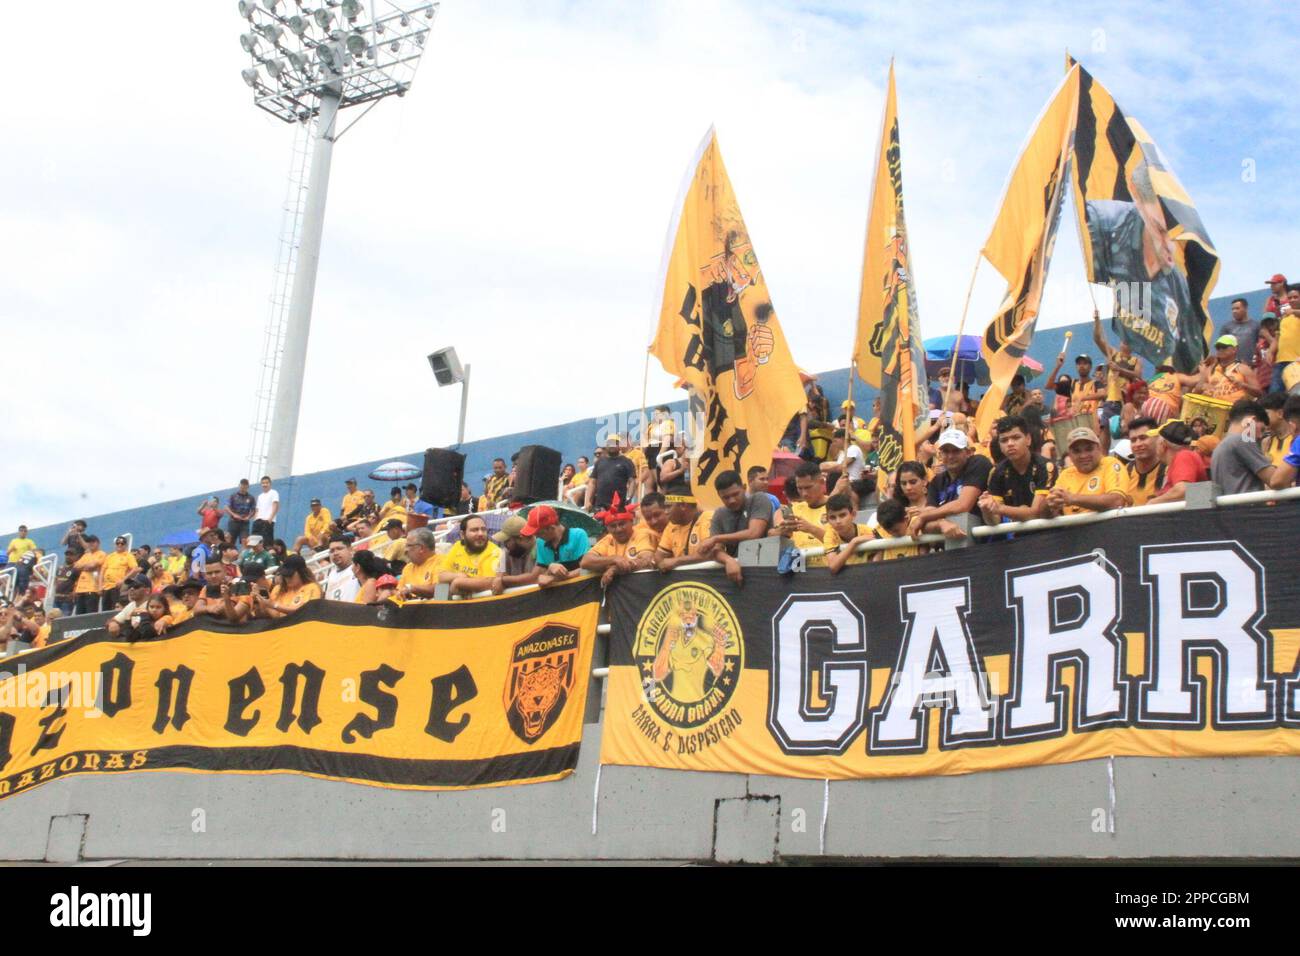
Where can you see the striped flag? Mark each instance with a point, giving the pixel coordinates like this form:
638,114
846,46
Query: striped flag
887,347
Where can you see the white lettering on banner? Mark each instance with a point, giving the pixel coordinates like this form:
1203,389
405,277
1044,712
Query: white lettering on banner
827,634
936,662
1206,598
1066,612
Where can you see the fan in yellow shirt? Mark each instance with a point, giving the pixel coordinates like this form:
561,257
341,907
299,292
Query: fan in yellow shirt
471,565
352,500
20,545
616,553
806,528
687,527
117,566
315,529
1094,482
844,534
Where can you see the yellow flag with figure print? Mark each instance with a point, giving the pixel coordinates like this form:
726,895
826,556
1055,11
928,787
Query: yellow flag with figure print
719,333
887,347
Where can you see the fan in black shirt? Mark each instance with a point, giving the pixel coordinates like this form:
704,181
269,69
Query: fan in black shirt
1018,485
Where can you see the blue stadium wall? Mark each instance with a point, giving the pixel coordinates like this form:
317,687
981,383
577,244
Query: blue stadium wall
151,523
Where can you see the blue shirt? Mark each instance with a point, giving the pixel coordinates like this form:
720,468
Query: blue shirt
573,546
422,507
1292,457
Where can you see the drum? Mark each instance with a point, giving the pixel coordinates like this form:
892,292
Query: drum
1062,429
1213,410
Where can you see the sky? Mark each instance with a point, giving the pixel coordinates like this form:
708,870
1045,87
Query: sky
515,203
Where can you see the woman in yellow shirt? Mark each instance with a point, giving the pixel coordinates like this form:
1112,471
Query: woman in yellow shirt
296,588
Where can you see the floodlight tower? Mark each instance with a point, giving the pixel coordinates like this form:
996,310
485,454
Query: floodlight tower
310,60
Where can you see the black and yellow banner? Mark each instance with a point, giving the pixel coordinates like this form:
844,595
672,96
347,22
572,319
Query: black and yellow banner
1157,635
1141,233
427,696
887,347
1021,242
718,331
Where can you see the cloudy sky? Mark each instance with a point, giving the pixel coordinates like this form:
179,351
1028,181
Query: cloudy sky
515,204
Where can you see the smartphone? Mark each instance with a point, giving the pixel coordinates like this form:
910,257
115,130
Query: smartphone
212,590
241,588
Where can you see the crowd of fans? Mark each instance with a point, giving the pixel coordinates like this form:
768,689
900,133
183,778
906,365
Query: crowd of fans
1110,438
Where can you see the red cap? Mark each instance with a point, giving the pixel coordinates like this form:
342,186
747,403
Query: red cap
1277,278
542,516
386,581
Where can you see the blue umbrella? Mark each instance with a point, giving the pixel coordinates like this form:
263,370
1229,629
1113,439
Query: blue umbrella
396,471
970,363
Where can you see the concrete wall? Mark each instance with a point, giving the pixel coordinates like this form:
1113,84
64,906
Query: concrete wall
1191,809
151,523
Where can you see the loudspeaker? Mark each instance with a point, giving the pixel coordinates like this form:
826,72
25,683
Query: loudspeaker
537,473
444,471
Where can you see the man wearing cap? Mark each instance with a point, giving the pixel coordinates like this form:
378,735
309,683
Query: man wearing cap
955,490
518,564
350,505
240,510
315,528
1092,482
559,548
471,564
118,566
1227,379
1183,464
137,590
616,552
181,601
613,473
203,555
89,566
391,547
687,527
256,553
1277,301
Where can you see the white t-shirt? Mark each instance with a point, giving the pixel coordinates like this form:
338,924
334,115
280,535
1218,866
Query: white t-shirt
266,501
855,462
341,585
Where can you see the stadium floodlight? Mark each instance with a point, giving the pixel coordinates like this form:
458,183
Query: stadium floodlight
285,42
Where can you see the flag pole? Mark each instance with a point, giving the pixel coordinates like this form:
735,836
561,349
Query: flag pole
952,368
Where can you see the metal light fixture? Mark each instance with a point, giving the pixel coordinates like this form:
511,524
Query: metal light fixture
447,370
309,60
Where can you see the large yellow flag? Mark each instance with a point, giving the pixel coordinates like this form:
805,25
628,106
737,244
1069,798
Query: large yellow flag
719,333
1021,241
1141,234
887,348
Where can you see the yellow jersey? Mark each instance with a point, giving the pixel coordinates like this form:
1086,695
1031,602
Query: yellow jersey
317,524
834,542
815,516
680,539
292,600
1108,476
117,565
1288,339
420,575
481,565
1141,488
89,564
644,538
892,554
351,502
608,547
20,546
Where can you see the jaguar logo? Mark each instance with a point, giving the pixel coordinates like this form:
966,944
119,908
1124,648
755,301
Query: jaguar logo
541,680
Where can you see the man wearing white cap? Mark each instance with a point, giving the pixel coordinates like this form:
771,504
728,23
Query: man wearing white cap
1093,482
954,491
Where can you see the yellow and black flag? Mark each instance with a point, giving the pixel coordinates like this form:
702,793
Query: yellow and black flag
719,334
1141,233
887,348
1021,241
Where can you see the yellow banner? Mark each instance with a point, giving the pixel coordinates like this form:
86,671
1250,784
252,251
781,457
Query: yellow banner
427,696
719,333
887,346
1021,242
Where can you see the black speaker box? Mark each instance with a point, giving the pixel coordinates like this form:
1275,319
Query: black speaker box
444,471
537,473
